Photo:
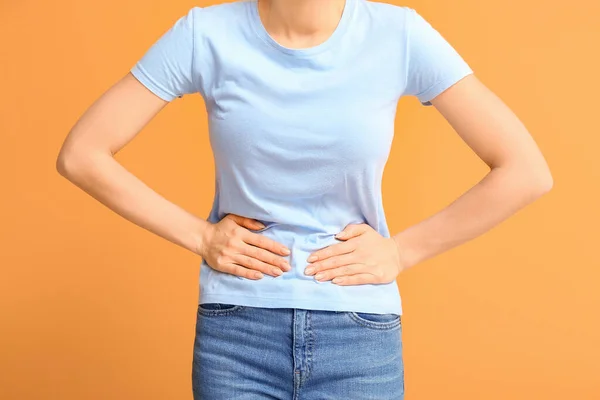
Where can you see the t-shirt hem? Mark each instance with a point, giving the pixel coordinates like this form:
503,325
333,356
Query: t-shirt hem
426,97
304,303
138,72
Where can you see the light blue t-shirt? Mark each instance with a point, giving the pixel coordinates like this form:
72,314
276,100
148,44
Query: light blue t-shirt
300,137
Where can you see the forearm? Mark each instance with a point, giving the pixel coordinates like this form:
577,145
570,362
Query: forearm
501,193
101,176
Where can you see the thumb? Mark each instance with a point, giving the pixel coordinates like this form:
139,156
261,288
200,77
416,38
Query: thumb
349,231
248,223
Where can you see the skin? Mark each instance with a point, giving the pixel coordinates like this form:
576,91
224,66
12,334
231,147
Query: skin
300,24
86,158
518,174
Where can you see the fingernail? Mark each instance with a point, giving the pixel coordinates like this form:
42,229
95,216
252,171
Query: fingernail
309,270
341,235
277,271
311,258
285,250
319,276
260,225
258,275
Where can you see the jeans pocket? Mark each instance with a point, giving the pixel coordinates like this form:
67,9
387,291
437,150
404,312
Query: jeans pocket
376,321
214,309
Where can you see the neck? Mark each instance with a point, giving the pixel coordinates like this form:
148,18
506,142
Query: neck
306,22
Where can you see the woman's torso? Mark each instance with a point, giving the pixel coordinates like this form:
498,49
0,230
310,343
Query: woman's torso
300,139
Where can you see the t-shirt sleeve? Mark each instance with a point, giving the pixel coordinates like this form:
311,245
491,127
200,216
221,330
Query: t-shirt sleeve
167,68
433,64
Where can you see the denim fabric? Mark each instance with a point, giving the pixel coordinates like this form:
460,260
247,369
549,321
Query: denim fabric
253,353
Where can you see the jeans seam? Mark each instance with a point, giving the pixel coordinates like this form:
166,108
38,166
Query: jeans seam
375,325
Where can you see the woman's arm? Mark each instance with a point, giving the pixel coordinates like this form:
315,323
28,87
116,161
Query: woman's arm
519,173
86,159
438,76
165,72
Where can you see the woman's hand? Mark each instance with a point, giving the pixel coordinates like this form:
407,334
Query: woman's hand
228,246
363,257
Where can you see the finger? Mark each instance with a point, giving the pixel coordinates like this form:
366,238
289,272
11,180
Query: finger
239,270
257,265
332,250
248,223
352,230
331,263
347,269
356,279
257,224
264,242
263,255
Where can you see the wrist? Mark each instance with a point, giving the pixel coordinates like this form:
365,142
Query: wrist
408,254
200,237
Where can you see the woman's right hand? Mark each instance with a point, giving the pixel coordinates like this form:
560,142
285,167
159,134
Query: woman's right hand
229,246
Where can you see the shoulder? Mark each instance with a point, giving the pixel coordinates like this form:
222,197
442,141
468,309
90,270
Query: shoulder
392,16
218,15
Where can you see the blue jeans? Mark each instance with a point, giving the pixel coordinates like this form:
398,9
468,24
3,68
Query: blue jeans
252,353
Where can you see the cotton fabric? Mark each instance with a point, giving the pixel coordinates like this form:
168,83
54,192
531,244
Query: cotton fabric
300,137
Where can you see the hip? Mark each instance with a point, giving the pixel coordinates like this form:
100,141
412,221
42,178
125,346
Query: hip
292,353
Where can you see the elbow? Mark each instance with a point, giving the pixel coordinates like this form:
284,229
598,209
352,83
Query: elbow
61,163
546,183
72,162
65,163
540,182
530,182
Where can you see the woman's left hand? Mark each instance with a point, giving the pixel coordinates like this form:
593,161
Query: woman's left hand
363,257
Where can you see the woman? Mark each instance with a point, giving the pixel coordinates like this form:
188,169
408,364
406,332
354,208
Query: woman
301,97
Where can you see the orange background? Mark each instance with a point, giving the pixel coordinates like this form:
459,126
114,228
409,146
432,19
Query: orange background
93,307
